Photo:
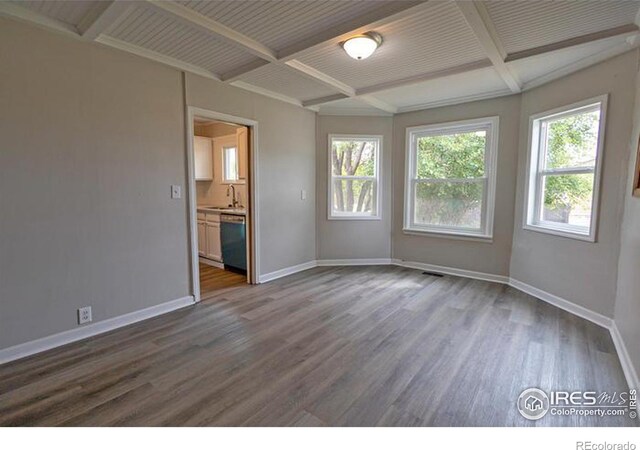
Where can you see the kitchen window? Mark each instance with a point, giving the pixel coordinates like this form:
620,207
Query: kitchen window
564,170
354,177
230,163
450,178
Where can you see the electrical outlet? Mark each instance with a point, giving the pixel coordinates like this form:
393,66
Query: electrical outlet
303,194
84,314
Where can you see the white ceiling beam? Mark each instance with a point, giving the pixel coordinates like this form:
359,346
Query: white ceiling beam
236,74
630,29
321,77
580,64
339,86
101,17
203,23
326,99
468,67
478,19
363,92
380,104
267,93
25,14
389,12
155,56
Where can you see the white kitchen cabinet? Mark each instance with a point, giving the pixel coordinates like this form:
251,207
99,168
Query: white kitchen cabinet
214,247
242,134
202,238
203,156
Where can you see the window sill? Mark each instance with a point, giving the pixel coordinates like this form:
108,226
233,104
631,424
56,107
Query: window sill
488,239
354,218
560,233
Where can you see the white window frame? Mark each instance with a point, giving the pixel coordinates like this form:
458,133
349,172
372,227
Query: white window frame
488,124
533,188
225,179
331,215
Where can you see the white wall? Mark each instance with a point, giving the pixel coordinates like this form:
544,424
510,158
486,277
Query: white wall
627,307
584,273
353,239
488,257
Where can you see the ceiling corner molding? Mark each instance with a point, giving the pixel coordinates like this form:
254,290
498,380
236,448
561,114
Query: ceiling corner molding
155,56
238,72
380,104
579,65
456,101
267,93
631,29
25,14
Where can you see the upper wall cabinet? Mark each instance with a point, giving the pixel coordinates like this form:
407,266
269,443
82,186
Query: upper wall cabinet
203,150
243,152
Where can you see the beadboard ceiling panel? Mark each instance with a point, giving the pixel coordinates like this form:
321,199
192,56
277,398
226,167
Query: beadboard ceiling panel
433,39
289,82
560,62
278,24
465,60
523,25
71,12
468,86
152,30
350,106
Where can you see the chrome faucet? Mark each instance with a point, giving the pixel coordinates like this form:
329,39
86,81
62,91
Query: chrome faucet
234,202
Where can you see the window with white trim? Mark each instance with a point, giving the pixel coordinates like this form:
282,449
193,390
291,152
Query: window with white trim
354,177
564,170
450,178
230,164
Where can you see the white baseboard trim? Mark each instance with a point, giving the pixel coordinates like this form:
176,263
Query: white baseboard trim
56,340
355,262
561,303
623,355
286,271
29,348
211,262
452,271
625,360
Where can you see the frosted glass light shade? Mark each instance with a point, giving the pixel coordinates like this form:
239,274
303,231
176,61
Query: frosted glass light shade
362,46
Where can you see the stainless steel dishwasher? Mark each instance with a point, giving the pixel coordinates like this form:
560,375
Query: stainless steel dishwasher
234,242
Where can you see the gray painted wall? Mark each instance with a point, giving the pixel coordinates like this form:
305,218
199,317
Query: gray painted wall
581,272
91,140
488,257
353,239
627,308
286,164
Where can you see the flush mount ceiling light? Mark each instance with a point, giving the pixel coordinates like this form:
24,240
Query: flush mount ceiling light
363,45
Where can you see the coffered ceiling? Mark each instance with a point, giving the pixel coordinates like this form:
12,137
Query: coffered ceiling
433,53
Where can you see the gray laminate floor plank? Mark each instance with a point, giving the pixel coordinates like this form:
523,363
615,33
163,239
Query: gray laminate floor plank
331,346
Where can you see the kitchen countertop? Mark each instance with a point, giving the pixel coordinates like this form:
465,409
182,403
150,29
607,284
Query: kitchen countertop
222,210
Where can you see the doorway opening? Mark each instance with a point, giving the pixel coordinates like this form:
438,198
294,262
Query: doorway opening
222,201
